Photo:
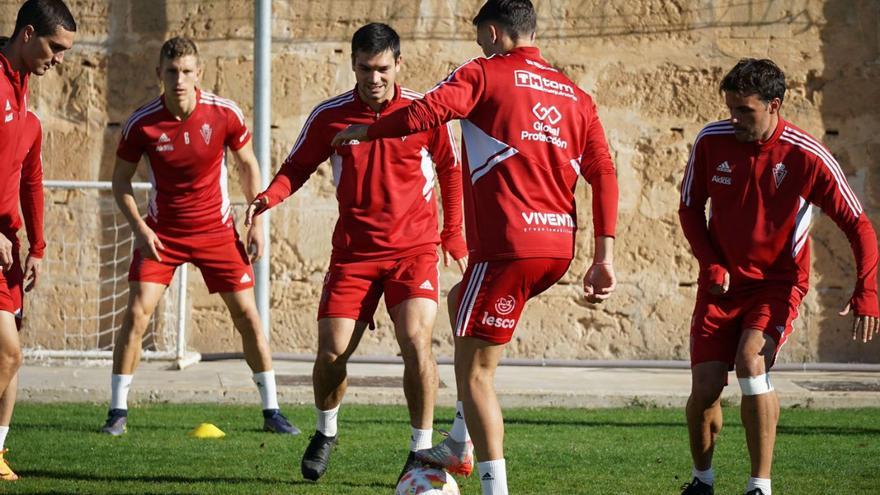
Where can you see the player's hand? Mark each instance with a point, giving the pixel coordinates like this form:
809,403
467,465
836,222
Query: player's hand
31,272
256,207
722,288
255,240
599,282
461,262
356,132
864,327
148,243
5,253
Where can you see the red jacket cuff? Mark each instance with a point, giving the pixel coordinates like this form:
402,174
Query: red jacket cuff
713,274
271,200
455,245
865,303
37,252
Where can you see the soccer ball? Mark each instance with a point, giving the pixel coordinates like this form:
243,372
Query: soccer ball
427,481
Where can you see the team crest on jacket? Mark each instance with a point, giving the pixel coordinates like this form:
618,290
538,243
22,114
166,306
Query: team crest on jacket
779,173
206,132
505,304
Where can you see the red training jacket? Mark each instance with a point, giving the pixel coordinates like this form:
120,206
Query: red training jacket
761,206
20,162
385,188
528,132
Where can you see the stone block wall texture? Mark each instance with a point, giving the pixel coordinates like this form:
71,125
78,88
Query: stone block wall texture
653,67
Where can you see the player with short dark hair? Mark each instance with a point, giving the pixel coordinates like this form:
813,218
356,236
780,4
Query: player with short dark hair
44,18
385,240
517,17
528,132
763,175
44,31
185,134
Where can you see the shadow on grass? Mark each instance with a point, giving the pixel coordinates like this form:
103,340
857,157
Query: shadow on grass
782,428
826,430
164,478
25,425
178,479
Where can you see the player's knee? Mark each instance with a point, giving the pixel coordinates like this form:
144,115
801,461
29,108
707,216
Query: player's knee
416,345
749,364
247,322
10,359
478,377
705,398
419,356
140,318
247,313
706,391
329,358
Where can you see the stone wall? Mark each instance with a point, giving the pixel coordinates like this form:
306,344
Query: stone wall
653,67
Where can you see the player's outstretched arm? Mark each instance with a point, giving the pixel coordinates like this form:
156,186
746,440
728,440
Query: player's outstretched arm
453,98
863,302
831,192
312,148
600,282
145,239
249,171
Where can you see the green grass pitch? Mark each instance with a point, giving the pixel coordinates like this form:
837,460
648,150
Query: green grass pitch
56,449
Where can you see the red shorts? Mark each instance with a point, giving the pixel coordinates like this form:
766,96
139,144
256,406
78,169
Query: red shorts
12,287
223,261
718,321
495,292
352,289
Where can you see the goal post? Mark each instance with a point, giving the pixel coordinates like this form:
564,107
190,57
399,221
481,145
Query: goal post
78,306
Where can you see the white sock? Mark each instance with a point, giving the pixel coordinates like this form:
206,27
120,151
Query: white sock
493,477
421,439
707,476
265,381
4,430
119,385
762,483
327,421
459,431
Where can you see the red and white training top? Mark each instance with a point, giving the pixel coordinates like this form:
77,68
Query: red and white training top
528,132
761,206
385,188
14,145
24,184
187,163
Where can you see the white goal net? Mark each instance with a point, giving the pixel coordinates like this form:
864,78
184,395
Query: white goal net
80,301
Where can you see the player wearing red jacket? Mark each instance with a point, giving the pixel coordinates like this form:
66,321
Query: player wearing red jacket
763,176
185,134
385,240
25,187
528,133
44,31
